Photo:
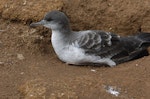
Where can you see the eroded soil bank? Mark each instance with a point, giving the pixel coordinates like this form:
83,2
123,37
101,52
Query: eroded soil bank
29,68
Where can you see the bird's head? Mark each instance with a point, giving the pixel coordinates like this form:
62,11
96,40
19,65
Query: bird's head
54,20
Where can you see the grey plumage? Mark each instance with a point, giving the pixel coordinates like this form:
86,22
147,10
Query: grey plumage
91,46
120,50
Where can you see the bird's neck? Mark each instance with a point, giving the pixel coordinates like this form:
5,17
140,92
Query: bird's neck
65,29
60,28
60,32
59,40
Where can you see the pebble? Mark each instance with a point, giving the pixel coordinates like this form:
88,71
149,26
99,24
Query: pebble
22,73
1,63
93,70
20,57
136,64
112,90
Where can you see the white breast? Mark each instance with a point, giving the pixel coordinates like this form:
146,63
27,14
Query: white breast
65,52
58,42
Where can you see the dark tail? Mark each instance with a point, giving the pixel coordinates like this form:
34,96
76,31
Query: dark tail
134,47
145,38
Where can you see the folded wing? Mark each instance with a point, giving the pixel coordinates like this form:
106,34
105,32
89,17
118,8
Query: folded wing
108,45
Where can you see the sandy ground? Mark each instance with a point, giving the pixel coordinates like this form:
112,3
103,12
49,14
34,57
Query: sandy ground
29,68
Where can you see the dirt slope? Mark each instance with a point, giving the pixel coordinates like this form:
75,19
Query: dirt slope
29,68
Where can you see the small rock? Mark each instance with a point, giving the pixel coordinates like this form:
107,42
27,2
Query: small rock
20,57
1,63
136,64
112,90
93,70
31,95
25,2
22,73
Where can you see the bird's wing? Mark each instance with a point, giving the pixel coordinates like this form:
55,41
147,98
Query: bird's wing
109,45
99,43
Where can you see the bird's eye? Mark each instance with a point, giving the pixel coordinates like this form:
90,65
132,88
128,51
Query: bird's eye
48,19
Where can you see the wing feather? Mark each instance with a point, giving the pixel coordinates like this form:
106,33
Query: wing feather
100,43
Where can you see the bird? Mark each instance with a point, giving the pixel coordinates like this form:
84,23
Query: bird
91,47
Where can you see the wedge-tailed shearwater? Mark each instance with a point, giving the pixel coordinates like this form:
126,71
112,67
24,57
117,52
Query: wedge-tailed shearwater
91,46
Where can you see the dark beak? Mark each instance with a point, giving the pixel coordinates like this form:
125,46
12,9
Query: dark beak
40,23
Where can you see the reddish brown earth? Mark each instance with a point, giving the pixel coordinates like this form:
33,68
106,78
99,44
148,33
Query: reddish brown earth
29,68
